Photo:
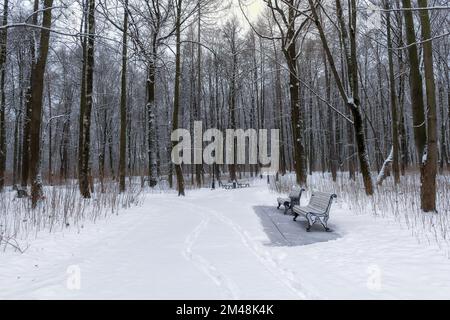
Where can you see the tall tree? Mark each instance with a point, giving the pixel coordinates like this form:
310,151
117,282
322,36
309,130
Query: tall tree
199,167
123,102
28,105
231,31
430,160
3,48
88,68
393,96
415,82
37,89
286,14
352,101
176,98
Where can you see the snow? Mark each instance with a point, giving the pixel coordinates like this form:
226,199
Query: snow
350,101
211,245
425,155
382,173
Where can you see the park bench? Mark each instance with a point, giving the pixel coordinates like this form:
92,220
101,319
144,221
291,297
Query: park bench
290,201
318,209
243,184
235,184
227,185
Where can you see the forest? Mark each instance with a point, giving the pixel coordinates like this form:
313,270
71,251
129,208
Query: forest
97,96
92,89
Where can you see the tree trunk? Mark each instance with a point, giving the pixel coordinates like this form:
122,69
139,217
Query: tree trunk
353,102
176,99
37,89
28,108
152,170
50,134
403,138
199,167
279,114
415,82
232,103
429,163
3,48
331,126
294,90
393,95
123,103
83,39
84,170
443,144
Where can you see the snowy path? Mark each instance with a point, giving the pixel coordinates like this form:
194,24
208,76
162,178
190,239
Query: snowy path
211,245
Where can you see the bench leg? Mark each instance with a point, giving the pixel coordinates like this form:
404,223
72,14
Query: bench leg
295,216
308,227
286,207
311,220
324,223
279,204
291,207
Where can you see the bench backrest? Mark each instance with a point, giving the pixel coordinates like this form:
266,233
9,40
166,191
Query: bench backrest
321,201
296,194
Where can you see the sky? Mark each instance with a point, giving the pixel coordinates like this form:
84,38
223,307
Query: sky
252,8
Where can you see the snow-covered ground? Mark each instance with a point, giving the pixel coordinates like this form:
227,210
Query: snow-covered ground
212,245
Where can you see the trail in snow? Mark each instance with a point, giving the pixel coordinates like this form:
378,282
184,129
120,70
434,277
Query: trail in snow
212,245
281,273
230,289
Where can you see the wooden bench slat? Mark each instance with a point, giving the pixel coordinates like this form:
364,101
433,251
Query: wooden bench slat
318,208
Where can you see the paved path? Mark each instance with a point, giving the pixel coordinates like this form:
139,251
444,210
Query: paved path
282,231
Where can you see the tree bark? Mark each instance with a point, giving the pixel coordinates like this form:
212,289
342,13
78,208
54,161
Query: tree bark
152,170
84,170
279,114
50,134
37,88
199,167
3,48
393,95
294,90
415,82
123,103
28,109
429,163
176,99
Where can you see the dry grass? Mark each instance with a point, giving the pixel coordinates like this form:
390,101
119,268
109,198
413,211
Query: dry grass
62,207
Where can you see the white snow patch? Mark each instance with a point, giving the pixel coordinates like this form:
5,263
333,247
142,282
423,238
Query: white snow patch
211,245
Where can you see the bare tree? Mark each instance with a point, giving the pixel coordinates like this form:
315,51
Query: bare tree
37,89
286,14
393,96
123,102
430,159
176,98
88,68
3,48
348,39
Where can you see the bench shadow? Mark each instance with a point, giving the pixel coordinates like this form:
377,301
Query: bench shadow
282,231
